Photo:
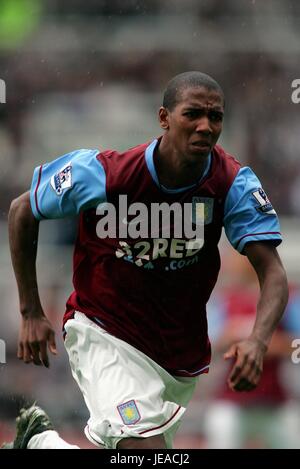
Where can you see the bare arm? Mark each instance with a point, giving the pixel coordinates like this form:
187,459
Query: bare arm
36,331
273,289
249,353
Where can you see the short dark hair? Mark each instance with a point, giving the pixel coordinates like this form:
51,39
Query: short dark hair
188,80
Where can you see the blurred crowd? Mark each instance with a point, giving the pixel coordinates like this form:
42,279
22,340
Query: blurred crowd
269,416
97,66
91,74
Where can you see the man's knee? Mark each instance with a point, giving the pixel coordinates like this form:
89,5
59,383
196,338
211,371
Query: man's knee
153,442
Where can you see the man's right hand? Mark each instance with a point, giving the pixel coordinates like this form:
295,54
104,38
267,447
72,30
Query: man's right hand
36,334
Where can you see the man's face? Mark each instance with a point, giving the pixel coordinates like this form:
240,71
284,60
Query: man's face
195,123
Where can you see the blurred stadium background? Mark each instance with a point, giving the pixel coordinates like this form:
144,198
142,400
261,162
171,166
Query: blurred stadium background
91,74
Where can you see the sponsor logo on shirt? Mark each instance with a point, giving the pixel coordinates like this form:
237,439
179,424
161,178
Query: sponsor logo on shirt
129,412
265,205
62,180
178,253
171,233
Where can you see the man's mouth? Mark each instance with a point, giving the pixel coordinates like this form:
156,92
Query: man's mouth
201,144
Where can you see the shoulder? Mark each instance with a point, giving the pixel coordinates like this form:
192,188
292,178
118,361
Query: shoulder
225,157
225,167
114,156
225,163
123,168
81,158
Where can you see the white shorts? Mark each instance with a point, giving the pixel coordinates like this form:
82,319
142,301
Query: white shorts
127,393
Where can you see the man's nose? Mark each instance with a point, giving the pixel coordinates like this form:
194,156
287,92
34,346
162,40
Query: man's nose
204,125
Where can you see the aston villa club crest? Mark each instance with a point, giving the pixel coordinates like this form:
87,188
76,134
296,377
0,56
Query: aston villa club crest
203,208
129,412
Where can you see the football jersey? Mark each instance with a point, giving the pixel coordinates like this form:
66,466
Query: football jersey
151,291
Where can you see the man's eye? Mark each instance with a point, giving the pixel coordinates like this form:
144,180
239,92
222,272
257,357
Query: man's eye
192,114
216,116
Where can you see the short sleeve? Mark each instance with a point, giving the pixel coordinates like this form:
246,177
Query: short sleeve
62,188
248,213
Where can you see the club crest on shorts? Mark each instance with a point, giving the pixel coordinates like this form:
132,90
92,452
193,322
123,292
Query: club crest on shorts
62,180
265,205
129,412
203,208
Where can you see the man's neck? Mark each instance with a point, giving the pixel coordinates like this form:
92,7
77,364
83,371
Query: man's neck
173,171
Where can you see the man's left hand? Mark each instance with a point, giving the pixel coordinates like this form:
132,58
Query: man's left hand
247,369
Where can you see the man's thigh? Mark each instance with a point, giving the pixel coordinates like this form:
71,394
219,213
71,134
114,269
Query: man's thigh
126,393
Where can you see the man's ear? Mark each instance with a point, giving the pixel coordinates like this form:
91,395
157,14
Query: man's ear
163,115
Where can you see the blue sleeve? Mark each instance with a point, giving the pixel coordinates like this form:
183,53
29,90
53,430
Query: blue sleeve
74,182
248,213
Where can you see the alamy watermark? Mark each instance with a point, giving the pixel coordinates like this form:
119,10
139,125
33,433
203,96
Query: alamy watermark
295,96
138,220
2,351
296,353
2,91
173,232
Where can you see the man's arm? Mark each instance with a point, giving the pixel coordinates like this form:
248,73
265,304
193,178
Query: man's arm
249,353
36,331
